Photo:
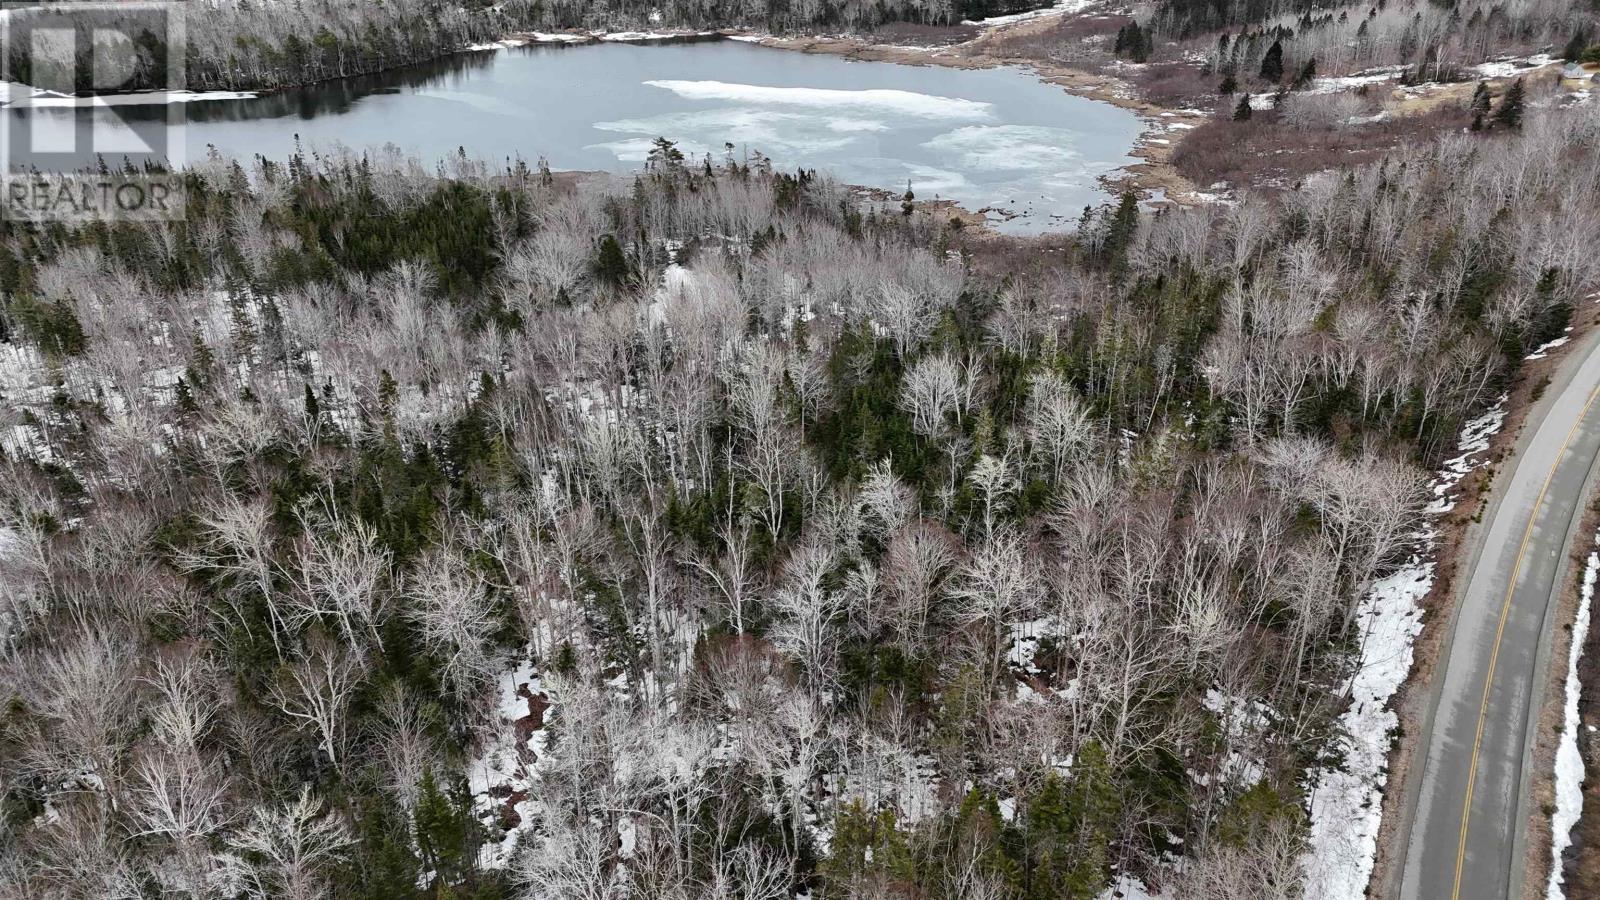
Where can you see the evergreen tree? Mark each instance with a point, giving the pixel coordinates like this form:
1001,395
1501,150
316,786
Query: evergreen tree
1575,47
1480,99
1229,84
864,843
1509,112
1272,63
610,264
1242,112
1068,830
1479,107
1144,42
443,832
1119,232
1254,812
185,398
387,868
201,362
664,156
1308,74
1135,42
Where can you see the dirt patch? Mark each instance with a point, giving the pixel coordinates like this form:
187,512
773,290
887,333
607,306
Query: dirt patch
538,704
924,35
1267,149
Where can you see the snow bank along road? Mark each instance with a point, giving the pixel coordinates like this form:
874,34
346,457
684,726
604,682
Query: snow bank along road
1465,834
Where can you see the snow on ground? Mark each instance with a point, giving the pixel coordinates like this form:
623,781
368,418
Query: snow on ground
20,95
512,42
11,549
523,39
1062,7
645,36
541,37
1127,887
502,775
675,282
1544,349
1505,68
1346,799
1243,722
1569,761
1338,84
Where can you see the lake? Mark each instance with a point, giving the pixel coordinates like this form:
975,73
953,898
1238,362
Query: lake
997,138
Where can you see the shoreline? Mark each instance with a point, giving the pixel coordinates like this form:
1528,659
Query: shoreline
1151,176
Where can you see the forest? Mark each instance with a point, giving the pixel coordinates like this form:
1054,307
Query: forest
1282,47
252,45
385,531
249,45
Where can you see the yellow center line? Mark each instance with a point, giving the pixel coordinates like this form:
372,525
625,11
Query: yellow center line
1494,654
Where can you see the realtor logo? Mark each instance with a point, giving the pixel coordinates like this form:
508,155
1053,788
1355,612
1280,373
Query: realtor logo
90,129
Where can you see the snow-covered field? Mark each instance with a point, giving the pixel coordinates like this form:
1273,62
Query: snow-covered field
1569,761
1346,801
1505,68
1337,84
1062,7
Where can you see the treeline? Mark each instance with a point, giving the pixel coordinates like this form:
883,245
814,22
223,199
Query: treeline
384,532
1436,42
780,14
246,45
236,44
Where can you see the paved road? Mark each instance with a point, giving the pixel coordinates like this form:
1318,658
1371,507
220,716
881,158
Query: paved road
1465,840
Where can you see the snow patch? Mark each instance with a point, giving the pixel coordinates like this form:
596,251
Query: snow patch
501,777
543,37
23,96
1127,887
1338,84
1505,68
639,37
1346,800
1569,761
1244,722
1544,349
1062,7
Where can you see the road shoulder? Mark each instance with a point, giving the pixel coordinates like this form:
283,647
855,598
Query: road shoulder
1544,729
1460,543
